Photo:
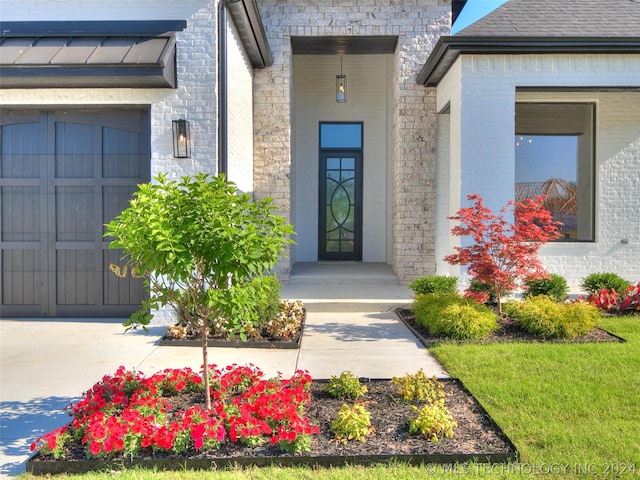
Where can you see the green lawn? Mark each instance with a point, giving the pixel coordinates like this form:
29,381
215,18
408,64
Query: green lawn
576,404
567,407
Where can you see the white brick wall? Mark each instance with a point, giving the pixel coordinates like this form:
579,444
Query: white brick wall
482,93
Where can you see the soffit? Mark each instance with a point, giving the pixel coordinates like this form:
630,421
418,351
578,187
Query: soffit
344,45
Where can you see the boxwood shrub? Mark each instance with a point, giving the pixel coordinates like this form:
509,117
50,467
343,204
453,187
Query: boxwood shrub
595,282
266,295
434,284
453,316
544,316
555,287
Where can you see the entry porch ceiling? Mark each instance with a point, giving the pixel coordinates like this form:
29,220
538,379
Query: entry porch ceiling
344,45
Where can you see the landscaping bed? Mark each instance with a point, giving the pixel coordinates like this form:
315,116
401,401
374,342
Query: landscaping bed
476,438
285,332
509,331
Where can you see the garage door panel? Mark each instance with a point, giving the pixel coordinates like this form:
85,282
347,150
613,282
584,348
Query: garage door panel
20,214
21,279
75,214
114,201
121,150
77,150
75,277
120,290
20,155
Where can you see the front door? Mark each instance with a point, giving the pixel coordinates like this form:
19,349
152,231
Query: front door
340,212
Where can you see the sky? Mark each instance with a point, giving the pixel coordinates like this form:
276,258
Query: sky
539,158
474,10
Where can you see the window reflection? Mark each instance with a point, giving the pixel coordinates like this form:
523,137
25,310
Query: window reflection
554,157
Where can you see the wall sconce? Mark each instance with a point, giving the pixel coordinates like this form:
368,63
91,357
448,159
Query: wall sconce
341,86
181,139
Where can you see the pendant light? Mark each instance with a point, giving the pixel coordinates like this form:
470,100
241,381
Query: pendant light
341,86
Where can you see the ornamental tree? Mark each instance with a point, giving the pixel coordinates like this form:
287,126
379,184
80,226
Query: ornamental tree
502,253
197,243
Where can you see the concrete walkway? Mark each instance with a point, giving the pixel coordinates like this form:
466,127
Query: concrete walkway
47,364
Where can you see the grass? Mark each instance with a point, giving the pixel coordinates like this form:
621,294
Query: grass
569,408
560,403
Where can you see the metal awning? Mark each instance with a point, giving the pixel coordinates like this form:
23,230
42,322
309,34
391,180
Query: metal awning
57,54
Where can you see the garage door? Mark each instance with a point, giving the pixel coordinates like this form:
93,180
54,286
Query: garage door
63,175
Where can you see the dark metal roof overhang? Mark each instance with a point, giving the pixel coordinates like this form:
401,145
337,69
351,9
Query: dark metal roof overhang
448,49
88,54
246,18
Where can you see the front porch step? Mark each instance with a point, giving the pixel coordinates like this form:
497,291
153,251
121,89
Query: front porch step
346,287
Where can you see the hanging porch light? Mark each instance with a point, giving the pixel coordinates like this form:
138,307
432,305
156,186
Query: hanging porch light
341,86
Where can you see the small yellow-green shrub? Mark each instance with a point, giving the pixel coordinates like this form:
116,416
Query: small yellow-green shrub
433,421
543,316
353,423
454,316
419,387
346,385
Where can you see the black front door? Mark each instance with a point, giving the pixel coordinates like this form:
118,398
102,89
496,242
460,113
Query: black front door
340,229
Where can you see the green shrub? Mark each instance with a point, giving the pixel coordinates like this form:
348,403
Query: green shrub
433,421
454,316
267,297
257,302
478,286
554,287
434,284
419,387
595,282
545,317
352,423
346,385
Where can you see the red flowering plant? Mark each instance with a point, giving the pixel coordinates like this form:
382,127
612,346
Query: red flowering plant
128,413
611,301
502,253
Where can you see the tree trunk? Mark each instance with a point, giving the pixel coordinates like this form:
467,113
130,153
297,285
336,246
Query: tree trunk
205,363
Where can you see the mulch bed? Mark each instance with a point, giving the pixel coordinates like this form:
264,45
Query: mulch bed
509,331
477,437
195,340
265,341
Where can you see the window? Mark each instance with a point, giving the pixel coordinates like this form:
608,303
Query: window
341,135
554,145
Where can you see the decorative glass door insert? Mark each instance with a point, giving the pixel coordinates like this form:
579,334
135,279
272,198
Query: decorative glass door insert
340,212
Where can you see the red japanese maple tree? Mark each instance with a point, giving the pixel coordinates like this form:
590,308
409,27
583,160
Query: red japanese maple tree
502,253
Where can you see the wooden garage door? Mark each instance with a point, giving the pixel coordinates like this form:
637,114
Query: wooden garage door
63,175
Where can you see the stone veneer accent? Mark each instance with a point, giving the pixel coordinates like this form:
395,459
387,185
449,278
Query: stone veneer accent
418,25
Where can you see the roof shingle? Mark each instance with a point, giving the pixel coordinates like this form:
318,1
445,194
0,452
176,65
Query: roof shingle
559,18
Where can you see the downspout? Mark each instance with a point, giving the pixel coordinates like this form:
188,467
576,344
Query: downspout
223,124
